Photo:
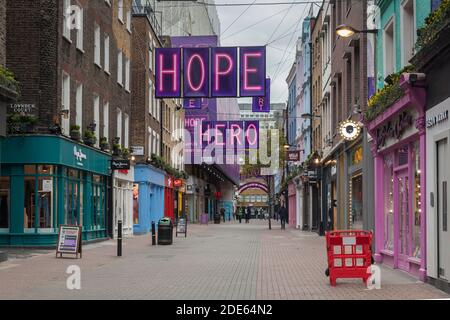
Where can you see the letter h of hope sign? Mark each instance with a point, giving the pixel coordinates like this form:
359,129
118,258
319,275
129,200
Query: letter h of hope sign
210,72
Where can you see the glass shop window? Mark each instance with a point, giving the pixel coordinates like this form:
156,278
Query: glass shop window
29,202
417,204
98,201
44,202
389,203
4,202
403,156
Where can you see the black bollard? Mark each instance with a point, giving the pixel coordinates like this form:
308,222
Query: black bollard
153,233
119,238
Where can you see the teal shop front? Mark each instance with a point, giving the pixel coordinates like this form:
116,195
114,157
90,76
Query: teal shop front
46,181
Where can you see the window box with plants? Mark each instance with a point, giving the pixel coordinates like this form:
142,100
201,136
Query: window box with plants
387,96
125,153
434,36
9,86
89,138
104,145
75,133
20,123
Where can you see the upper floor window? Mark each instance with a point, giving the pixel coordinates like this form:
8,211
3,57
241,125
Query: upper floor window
127,74
408,31
97,45
106,53
389,49
129,21
120,10
66,17
119,67
80,31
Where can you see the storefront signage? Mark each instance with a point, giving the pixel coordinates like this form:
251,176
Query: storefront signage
137,150
22,107
79,155
190,69
232,134
394,129
120,164
293,155
177,183
349,130
69,240
437,119
262,104
47,185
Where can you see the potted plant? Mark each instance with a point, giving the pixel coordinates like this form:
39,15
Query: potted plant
89,138
104,145
75,132
125,153
117,149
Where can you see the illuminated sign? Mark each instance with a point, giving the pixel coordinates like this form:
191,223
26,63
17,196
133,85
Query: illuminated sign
293,155
262,104
177,182
232,134
210,72
349,130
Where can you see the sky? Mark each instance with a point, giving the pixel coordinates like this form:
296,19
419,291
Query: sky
276,26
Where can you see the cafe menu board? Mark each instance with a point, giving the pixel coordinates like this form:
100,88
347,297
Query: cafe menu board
182,227
69,240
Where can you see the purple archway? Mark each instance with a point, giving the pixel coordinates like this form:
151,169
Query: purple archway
253,185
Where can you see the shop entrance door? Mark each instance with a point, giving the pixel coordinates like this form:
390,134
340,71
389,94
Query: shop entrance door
442,203
403,214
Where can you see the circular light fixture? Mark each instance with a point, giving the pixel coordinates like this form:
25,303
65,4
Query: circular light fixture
349,130
345,31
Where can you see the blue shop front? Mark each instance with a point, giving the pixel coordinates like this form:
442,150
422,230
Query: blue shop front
148,197
46,181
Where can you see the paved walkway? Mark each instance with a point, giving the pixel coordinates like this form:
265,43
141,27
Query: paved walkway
226,261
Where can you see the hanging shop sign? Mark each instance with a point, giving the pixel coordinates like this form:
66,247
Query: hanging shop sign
137,150
177,182
293,155
394,129
69,240
230,134
190,69
120,164
262,104
349,130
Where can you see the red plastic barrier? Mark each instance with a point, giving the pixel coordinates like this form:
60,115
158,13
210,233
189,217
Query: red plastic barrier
349,254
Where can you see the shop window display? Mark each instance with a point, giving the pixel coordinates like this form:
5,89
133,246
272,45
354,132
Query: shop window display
4,202
417,204
389,203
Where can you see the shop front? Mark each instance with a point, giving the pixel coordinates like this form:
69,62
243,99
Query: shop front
355,187
399,152
148,197
123,200
169,197
47,181
292,204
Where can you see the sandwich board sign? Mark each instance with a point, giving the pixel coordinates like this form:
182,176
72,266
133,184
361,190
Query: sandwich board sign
69,240
182,227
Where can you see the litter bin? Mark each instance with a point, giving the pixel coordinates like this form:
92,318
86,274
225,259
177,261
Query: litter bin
217,218
165,231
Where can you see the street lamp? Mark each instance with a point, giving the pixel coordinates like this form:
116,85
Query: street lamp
346,31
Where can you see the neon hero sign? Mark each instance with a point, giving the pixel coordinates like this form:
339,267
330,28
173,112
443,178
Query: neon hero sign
210,72
230,134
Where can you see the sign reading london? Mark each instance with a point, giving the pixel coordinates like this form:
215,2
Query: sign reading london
210,72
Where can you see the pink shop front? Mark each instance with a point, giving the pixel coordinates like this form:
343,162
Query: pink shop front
398,147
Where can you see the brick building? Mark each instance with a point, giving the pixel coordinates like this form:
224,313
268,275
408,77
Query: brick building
348,99
73,63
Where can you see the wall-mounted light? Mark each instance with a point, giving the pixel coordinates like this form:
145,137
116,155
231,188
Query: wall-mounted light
65,113
346,31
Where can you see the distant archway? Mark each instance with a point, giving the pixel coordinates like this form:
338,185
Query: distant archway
253,185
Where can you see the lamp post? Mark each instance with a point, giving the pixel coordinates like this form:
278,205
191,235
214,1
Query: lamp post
346,31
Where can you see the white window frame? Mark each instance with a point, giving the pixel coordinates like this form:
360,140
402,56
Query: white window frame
150,96
127,74
120,67
80,32
405,56
108,2
96,111
389,24
106,58
154,149
106,120
79,106
97,45
66,30
129,20
120,10
126,137
150,141
119,126
65,103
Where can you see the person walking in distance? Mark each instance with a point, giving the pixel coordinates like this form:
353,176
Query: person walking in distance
283,213
247,215
222,213
239,214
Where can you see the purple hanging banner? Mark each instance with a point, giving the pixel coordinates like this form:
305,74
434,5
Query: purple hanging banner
224,72
252,73
251,134
168,61
192,103
196,72
262,104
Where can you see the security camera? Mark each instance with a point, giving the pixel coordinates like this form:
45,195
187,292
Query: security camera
414,77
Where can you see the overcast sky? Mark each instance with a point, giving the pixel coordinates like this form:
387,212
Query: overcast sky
279,25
